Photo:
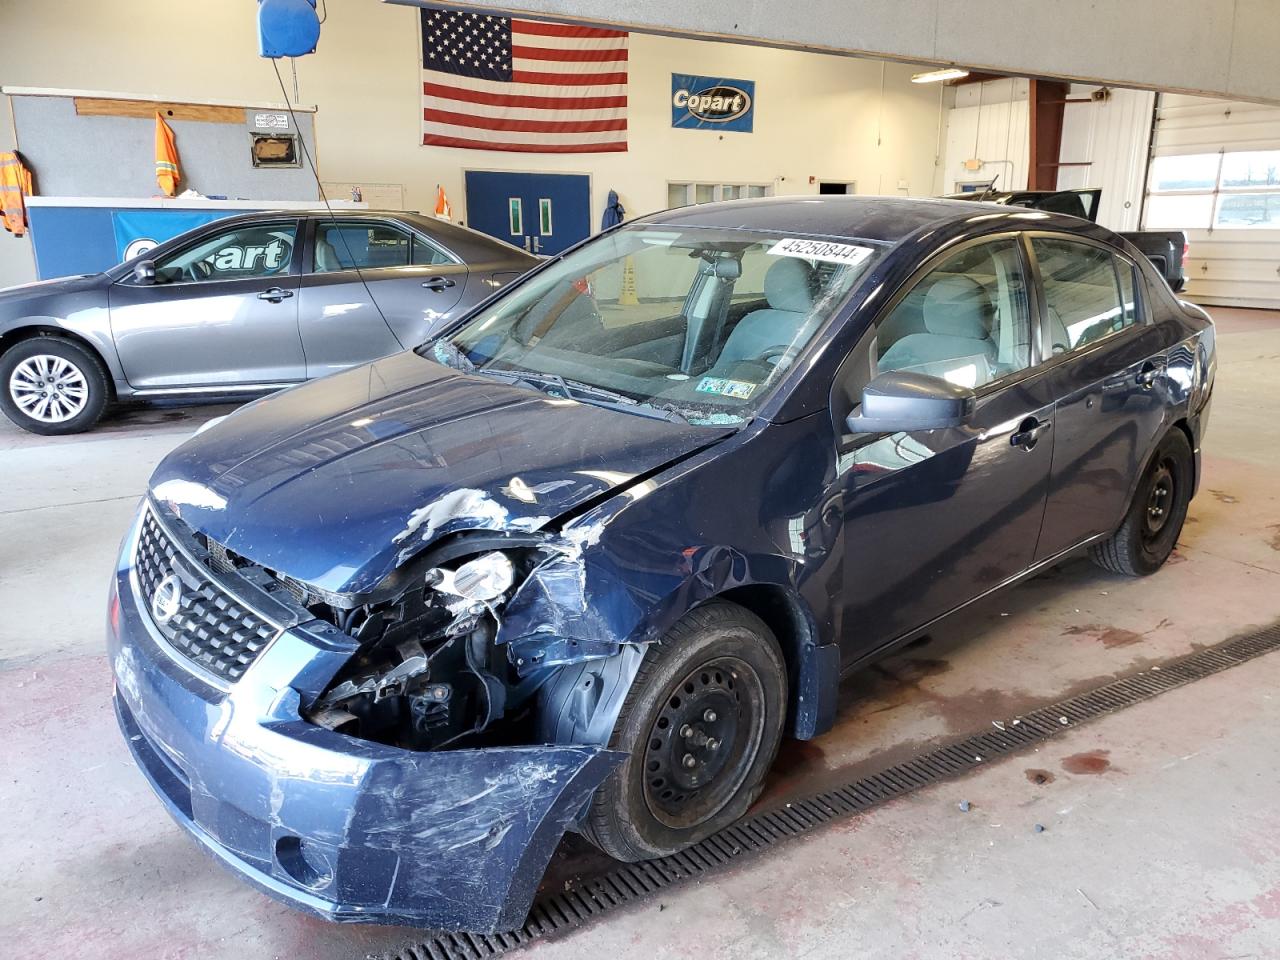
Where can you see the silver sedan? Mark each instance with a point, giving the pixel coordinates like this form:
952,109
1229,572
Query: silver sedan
239,307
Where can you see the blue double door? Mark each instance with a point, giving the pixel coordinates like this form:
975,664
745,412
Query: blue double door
544,213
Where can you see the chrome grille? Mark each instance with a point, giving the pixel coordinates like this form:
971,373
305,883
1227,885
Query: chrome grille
210,627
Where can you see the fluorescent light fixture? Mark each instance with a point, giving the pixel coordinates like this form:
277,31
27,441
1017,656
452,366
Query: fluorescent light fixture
933,76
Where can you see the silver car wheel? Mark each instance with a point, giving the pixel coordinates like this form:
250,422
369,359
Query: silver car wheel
48,388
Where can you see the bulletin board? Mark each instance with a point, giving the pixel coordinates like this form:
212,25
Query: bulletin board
100,145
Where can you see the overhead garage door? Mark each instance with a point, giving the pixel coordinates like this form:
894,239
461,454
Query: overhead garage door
1215,173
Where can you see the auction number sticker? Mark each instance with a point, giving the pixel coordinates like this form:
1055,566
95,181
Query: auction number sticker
825,250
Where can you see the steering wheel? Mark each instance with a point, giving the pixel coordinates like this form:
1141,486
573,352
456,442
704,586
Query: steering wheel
200,270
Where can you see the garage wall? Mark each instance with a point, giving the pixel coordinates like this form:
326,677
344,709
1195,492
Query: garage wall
1112,136
1221,48
829,117
987,122
1235,263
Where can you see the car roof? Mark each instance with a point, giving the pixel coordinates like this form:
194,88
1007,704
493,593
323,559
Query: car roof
883,219
471,245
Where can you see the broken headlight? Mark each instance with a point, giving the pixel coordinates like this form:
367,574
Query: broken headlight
483,580
427,672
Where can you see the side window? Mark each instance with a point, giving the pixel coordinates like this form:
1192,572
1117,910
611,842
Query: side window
426,253
966,321
369,246
1128,295
1081,293
253,250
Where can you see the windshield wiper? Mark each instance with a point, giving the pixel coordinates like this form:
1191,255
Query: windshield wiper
588,392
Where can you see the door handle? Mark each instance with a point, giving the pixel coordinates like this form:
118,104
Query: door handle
1146,377
1028,432
275,294
437,284
537,244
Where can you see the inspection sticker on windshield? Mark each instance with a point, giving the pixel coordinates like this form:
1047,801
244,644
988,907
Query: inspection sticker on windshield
825,250
738,389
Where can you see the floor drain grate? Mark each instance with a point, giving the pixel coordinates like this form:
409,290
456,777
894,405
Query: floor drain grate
630,883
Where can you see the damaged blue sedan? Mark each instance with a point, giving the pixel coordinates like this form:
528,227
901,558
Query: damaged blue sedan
580,563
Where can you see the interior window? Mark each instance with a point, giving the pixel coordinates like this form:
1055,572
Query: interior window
1081,293
253,250
369,246
967,321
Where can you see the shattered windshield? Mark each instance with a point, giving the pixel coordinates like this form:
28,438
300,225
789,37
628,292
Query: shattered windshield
688,323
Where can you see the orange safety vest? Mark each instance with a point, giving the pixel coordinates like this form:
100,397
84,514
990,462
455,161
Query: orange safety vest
15,186
167,172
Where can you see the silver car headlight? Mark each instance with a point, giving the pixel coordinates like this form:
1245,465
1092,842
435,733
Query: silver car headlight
484,579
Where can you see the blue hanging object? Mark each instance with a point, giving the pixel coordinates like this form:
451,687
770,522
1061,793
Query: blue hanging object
287,28
614,212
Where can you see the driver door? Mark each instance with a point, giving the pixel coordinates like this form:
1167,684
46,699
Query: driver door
935,518
223,312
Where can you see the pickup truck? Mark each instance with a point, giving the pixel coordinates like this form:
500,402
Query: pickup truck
1166,249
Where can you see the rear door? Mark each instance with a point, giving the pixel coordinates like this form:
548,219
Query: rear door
935,518
223,312
361,273
1107,365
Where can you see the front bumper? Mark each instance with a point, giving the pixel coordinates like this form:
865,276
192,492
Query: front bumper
342,828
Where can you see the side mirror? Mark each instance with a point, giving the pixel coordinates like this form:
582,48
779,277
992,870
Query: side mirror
900,401
144,271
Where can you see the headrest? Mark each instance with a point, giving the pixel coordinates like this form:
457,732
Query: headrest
789,286
957,307
326,256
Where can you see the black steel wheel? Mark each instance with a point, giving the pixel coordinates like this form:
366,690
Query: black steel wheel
1154,520
701,725
704,741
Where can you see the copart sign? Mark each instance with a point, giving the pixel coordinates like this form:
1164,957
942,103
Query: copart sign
712,103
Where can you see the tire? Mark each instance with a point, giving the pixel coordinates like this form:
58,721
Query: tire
77,393
714,689
1154,520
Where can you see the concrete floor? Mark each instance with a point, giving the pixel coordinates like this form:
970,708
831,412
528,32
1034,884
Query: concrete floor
1161,836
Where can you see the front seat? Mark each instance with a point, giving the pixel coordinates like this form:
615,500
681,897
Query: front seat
957,321
326,257
788,289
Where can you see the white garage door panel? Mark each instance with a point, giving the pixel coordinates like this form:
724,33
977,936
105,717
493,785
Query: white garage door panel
1239,267
1227,268
1111,136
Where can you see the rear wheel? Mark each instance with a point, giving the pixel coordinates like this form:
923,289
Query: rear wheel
1151,527
701,725
52,386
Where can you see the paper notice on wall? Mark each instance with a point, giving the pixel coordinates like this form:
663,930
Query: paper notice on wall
379,196
824,250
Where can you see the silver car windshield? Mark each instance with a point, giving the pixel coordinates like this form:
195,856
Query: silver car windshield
691,323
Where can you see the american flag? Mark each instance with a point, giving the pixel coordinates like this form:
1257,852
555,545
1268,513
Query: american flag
499,83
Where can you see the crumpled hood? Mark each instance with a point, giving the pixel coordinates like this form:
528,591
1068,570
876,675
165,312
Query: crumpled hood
338,481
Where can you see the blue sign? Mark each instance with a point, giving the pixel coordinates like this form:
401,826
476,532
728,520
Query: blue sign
137,231
712,103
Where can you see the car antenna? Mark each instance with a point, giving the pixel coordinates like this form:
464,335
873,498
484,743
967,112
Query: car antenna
990,188
302,141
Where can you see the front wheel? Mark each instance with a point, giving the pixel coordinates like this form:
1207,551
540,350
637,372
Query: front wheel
52,386
1154,521
701,724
